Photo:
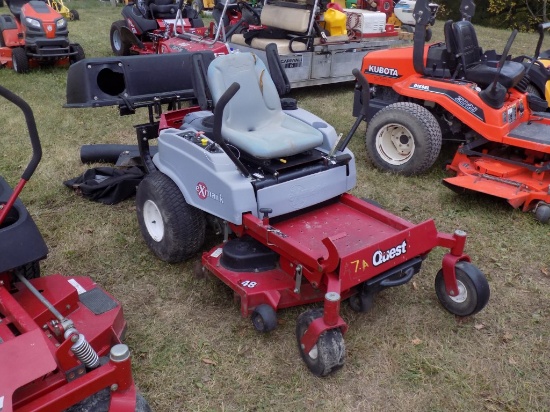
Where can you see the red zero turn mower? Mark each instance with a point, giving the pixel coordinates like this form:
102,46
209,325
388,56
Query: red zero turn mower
273,181
426,94
60,337
35,34
159,27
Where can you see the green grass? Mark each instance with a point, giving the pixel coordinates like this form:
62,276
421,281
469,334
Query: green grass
408,354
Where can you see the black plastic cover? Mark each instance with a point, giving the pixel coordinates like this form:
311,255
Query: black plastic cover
131,81
246,254
20,239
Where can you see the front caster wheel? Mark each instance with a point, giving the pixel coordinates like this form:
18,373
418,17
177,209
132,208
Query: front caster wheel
473,290
542,213
361,302
264,318
328,354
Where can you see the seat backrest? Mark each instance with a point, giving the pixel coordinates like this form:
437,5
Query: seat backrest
257,101
450,41
286,18
467,45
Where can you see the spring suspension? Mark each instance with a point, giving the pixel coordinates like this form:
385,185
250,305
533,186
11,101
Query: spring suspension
82,350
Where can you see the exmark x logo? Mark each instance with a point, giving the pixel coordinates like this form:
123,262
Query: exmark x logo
203,193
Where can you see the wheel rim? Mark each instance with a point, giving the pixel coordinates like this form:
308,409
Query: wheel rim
395,144
153,220
117,42
313,353
462,293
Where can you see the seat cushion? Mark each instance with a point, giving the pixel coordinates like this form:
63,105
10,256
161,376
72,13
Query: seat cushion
283,45
253,120
484,73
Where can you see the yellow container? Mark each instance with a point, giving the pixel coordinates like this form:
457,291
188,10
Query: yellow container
335,22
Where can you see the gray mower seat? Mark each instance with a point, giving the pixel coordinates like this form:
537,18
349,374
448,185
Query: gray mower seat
253,120
482,72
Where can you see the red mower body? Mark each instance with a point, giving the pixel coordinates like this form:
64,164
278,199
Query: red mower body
60,337
31,334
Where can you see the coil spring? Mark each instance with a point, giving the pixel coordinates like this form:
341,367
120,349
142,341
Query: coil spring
85,353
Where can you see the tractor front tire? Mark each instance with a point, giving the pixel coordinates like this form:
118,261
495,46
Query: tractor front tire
403,138
100,402
80,55
473,290
20,60
172,229
328,354
119,46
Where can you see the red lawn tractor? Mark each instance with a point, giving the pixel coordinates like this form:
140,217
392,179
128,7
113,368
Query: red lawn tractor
427,94
159,27
272,179
60,337
35,34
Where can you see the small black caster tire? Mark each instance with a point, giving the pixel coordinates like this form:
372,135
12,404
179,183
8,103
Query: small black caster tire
361,302
264,318
73,15
473,290
328,354
542,213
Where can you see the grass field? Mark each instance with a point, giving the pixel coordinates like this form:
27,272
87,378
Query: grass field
191,349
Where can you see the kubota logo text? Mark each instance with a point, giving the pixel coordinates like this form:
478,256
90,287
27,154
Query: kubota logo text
380,257
384,71
203,193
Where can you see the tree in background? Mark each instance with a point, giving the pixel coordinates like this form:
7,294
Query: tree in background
523,15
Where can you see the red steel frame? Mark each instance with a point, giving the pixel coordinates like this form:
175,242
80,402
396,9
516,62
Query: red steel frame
53,378
333,246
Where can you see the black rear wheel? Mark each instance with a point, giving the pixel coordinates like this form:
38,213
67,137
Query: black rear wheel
172,229
119,45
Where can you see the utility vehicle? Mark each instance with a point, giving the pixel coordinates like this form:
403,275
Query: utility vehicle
272,179
426,94
35,34
60,336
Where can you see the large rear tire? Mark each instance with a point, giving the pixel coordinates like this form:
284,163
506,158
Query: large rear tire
172,229
119,46
20,60
403,138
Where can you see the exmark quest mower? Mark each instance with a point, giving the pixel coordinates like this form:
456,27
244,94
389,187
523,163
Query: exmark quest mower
426,94
272,178
60,337
35,34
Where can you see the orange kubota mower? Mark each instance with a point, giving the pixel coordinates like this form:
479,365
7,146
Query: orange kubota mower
427,94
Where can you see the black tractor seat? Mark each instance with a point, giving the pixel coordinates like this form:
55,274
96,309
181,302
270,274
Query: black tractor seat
15,7
472,67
